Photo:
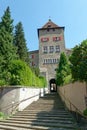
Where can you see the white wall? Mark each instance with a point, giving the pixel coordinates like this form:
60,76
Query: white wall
26,94
17,98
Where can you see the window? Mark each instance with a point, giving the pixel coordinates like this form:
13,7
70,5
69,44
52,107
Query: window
57,48
51,49
33,64
55,39
50,61
48,29
54,61
44,61
45,39
32,56
49,25
45,49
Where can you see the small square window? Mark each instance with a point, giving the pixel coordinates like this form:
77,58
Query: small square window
51,49
45,49
57,49
32,56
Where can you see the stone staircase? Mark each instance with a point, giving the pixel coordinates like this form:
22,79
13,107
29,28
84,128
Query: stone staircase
48,113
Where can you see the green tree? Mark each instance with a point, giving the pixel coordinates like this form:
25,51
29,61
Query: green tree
83,61
75,61
7,49
63,70
20,43
78,61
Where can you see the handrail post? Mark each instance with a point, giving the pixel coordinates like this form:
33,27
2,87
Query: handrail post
77,116
70,106
12,107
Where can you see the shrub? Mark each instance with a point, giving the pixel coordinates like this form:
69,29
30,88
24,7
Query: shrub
21,73
2,116
2,82
85,112
68,79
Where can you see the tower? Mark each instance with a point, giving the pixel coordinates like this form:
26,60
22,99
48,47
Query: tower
51,44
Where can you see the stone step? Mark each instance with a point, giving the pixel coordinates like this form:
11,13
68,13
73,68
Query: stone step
2,129
44,103
42,120
42,109
48,113
43,115
33,128
50,118
36,124
47,108
44,112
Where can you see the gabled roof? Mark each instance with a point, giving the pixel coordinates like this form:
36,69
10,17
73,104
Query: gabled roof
50,24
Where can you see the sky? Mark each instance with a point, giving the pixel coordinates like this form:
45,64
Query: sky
71,14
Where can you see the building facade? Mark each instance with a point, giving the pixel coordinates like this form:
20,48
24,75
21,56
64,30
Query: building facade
34,58
51,44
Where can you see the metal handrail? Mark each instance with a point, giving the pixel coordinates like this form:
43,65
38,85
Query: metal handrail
16,104
25,100
71,104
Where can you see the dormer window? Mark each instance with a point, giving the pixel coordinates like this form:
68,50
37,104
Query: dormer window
49,25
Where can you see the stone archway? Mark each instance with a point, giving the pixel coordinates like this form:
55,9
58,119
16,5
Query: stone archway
53,86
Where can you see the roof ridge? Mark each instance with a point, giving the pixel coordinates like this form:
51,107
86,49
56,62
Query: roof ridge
50,24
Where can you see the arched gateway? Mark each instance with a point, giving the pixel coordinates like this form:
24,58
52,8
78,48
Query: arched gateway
53,86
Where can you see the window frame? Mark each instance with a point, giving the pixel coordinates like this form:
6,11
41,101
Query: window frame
51,49
45,49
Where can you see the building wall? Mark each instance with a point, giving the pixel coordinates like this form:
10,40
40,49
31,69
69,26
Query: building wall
51,44
34,58
47,59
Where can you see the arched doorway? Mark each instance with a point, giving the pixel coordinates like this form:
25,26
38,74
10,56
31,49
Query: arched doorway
53,86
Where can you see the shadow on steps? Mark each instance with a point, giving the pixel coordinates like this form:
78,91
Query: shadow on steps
52,114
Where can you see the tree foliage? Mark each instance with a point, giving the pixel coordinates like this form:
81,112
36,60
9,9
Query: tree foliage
7,49
14,55
20,43
78,61
36,70
21,74
63,70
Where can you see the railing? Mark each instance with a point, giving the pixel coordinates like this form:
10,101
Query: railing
72,107
14,105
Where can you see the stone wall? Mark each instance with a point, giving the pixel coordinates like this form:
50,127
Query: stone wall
74,93
16,98
49,60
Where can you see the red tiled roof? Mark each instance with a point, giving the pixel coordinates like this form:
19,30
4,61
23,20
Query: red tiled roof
50,24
